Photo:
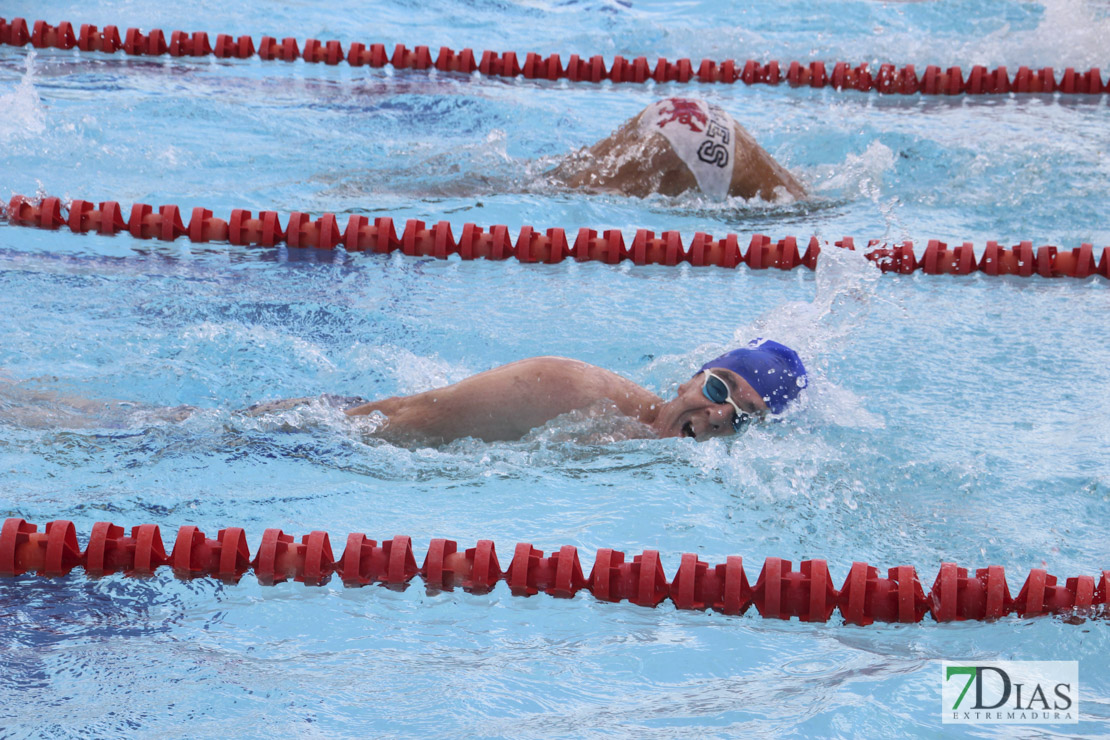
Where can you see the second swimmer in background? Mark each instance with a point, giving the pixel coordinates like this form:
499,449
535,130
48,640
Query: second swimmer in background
678,145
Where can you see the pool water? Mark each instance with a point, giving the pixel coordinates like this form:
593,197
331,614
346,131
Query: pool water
949,419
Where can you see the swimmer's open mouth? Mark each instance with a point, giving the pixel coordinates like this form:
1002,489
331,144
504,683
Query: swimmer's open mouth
688,430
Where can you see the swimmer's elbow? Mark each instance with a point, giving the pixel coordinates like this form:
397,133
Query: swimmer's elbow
387,406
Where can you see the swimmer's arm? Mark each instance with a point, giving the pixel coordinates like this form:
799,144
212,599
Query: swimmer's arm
504,403
445,414
499,404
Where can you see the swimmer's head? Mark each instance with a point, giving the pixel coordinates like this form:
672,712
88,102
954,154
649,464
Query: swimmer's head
773,370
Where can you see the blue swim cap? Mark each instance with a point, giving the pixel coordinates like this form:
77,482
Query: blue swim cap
774,370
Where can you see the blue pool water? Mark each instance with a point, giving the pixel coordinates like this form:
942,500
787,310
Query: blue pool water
949,419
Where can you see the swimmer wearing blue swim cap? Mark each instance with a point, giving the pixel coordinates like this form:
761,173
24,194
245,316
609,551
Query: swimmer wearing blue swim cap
774,370
723,398
505,403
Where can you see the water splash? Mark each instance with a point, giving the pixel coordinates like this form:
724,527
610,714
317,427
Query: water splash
319,413
860,175
237,335
823,330
22,113
1071,33
406,371
820,330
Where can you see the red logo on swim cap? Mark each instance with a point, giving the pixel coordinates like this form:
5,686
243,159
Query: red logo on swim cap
684,111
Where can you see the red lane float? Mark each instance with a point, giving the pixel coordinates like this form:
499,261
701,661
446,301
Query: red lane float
807,594
886,79
418,239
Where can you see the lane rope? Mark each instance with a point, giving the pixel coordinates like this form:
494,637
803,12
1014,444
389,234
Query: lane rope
780,592
884,79
418,239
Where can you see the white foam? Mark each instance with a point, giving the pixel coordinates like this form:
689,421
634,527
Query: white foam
819,330
22,113
859,174
412,373
313,414
1071,33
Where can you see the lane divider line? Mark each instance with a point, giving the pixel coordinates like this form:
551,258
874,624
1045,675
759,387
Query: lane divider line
418,239
780,592
884,79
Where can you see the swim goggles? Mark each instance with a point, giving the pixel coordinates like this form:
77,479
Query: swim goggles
716,390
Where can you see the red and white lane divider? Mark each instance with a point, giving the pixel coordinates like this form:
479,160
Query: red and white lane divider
780,592
886,78
361,234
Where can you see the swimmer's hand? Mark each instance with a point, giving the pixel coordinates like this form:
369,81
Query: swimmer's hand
269,407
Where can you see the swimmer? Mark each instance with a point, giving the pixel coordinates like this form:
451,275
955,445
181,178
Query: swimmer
723,398
678,145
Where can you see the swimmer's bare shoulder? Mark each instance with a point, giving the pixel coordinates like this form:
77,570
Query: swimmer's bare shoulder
505,403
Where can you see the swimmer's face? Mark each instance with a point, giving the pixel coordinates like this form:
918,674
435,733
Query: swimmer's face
695,416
